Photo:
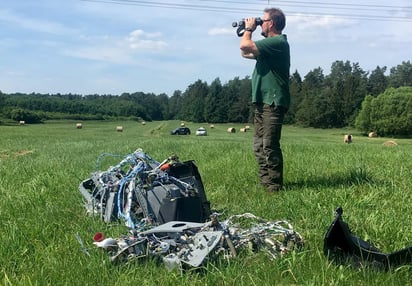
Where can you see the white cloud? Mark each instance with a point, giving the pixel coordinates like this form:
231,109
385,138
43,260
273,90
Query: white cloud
139,40
117,50
315,29
307,22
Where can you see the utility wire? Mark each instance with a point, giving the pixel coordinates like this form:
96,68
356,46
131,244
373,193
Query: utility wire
347,4
328,5
211,8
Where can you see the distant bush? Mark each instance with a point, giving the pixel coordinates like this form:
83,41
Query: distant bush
28,116
388,114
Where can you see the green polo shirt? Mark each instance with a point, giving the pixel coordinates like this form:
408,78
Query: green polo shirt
270,78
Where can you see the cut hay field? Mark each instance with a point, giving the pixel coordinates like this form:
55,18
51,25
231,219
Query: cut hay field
41,209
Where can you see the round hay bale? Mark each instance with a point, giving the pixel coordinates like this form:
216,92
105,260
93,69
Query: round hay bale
22,122
390,143
372,135
143,123
79,126
247,127
347,138
231,130
242,129
182,124
119,128
212,126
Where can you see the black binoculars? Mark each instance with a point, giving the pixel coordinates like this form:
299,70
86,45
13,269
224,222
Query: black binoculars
241,26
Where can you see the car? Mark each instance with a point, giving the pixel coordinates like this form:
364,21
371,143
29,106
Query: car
201,131
180,131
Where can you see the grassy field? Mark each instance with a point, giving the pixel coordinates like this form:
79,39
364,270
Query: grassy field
41,209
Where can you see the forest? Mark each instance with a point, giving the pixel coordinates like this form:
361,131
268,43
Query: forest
380,100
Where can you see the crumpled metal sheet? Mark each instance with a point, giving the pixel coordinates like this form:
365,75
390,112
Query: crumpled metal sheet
183,245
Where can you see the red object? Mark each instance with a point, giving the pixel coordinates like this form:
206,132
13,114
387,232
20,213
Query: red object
165,166
99,236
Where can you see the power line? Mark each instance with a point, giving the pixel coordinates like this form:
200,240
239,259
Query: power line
338,6
348,6
173,6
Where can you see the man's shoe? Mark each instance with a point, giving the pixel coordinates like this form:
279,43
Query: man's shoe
274,189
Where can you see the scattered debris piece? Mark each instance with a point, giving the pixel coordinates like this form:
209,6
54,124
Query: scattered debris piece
84,249
341,245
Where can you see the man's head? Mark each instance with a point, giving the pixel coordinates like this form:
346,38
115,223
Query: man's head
274,22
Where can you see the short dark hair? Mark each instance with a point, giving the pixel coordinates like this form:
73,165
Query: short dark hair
278,18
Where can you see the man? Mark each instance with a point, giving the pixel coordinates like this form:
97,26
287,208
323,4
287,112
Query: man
270,92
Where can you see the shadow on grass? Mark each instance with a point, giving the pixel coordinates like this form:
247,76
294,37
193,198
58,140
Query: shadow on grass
353,177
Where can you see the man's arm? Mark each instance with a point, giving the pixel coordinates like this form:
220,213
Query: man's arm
248,47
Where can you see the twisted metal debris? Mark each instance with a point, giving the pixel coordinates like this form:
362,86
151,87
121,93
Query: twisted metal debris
165,208
139,187
183,245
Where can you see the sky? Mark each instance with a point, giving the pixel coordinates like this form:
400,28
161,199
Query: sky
126,46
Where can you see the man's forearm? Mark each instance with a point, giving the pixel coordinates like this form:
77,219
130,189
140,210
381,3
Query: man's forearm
247,46
246,42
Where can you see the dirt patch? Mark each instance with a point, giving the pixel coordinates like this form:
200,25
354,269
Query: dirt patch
23,152
5,155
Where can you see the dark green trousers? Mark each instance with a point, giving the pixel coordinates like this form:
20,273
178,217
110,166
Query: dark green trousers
268,120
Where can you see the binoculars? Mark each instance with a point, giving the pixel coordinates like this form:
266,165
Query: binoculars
241,26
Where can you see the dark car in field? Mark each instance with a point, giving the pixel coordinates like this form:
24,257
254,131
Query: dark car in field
180,131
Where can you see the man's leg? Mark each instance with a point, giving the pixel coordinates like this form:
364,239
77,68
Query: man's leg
258,145
272,128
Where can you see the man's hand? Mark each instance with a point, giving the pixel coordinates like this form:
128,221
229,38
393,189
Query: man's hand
250,24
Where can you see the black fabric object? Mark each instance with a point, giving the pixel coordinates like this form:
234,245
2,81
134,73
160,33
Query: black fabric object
342,246
188,172
181,209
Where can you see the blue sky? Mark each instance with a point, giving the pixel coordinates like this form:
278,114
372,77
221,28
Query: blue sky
106,47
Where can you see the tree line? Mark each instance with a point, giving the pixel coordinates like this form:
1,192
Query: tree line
318,100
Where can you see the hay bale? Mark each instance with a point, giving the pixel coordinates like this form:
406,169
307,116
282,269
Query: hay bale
390,143
143,123
22,122
372,135
242,129
119,128
182,124
212,126
347,139
79,126
231,130
247,127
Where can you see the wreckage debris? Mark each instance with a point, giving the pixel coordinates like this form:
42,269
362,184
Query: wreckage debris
183,245
341,246
164,205
141,188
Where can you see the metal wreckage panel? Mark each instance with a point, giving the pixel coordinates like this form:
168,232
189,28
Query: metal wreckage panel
342,246
164,205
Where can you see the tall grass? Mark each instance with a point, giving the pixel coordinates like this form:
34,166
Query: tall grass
41,210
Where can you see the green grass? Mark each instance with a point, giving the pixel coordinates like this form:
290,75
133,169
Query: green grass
41,209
